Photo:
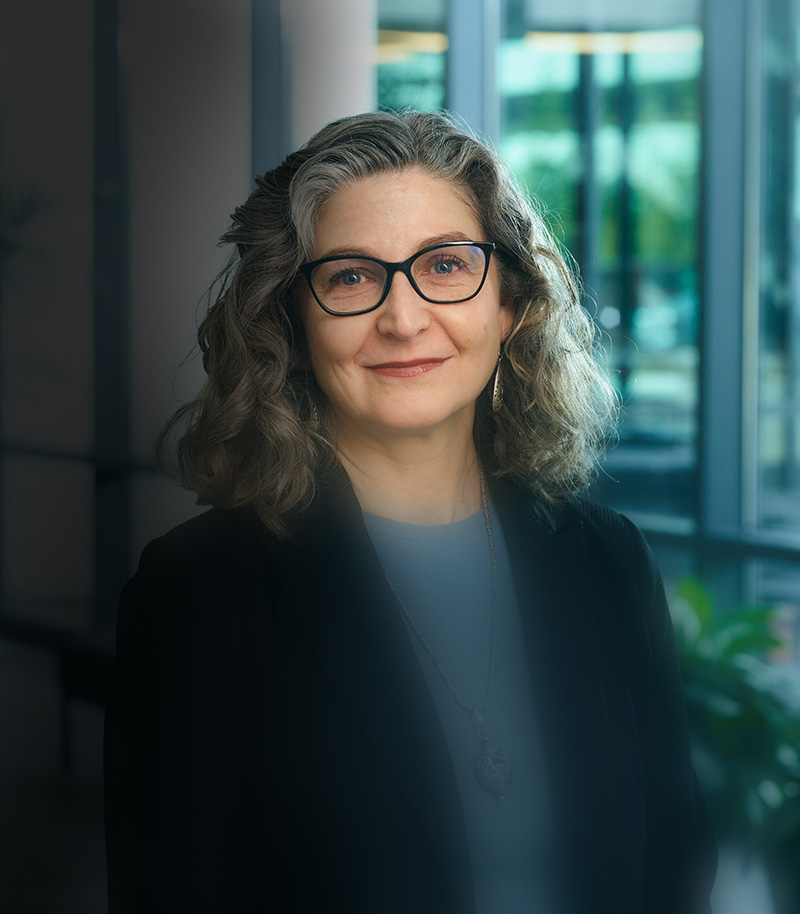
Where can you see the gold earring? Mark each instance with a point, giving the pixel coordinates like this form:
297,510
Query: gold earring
314,415
313,412
497,390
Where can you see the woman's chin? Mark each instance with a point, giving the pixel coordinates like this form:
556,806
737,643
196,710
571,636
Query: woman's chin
419,422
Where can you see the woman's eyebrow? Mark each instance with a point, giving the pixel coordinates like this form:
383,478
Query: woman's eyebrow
363,251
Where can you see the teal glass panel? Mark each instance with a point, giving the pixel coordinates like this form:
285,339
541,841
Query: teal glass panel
411,55
778,448
649,242
602,126
537,82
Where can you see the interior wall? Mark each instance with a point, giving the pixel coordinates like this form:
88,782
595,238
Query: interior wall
187,65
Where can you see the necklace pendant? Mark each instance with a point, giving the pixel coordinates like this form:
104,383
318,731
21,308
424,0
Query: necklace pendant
493,771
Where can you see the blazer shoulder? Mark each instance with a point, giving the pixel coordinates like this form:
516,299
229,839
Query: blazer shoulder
601,519
204,543
615,532
612,539
200,591
620,550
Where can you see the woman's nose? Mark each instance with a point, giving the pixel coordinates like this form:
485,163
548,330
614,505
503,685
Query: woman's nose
403,312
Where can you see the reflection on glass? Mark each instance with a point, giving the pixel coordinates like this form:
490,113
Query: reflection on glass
411,55
603,126
537,82
773,583
648,142
779,278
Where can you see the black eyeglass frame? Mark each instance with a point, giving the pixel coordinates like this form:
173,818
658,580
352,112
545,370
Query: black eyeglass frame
401,266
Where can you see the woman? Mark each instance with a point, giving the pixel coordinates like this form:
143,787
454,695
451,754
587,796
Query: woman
399,666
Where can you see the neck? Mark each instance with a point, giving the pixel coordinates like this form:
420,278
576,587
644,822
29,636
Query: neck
428,480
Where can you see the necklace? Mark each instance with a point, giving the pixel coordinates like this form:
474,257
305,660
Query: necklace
492,766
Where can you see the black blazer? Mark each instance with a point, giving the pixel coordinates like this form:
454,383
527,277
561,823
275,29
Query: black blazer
271,744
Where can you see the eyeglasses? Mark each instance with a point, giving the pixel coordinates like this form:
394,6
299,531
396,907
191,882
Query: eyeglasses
444,274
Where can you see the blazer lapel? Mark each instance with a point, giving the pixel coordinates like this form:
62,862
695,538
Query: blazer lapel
556,587
335,587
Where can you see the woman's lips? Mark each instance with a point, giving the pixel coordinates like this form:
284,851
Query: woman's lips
406,369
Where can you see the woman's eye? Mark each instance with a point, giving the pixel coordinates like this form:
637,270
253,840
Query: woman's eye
347,278
446,267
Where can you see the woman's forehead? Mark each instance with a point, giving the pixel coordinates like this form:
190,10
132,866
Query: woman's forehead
389,209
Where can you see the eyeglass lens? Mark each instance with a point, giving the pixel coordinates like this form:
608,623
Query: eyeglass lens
443,275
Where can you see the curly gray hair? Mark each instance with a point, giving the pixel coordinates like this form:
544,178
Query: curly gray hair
247,437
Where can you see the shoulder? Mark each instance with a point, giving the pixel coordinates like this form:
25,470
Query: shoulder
604,523
594,542
216,532
633,584
626,582
203,581
610,542
212,543
618,544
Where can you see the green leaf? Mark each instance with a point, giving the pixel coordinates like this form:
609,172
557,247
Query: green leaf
694,592
752,616
749,642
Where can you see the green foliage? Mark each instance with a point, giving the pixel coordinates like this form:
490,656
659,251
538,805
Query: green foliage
745,730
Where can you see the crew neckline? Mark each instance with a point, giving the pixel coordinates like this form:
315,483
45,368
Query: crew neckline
429,533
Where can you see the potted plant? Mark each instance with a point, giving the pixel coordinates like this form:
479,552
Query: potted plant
746,731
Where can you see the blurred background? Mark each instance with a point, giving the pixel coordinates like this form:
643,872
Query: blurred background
662,139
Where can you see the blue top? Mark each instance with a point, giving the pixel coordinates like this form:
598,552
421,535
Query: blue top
443,575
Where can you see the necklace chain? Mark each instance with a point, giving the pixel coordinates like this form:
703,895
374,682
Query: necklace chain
492,766
493,650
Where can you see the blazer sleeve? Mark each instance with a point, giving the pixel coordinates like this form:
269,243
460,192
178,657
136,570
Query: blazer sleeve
176,742
680,855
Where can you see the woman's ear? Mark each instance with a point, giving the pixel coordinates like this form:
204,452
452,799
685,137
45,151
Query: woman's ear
506,316
300,355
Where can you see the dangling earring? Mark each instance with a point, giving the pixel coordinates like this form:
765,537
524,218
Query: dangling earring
316,424
497,390
313,412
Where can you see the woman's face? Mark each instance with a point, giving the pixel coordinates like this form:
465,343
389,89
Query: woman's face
454,347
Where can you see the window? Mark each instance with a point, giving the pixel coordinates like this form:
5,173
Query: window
411,54
603,126
662,144
776,200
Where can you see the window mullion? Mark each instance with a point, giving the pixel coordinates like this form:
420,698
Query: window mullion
722,263
466,62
